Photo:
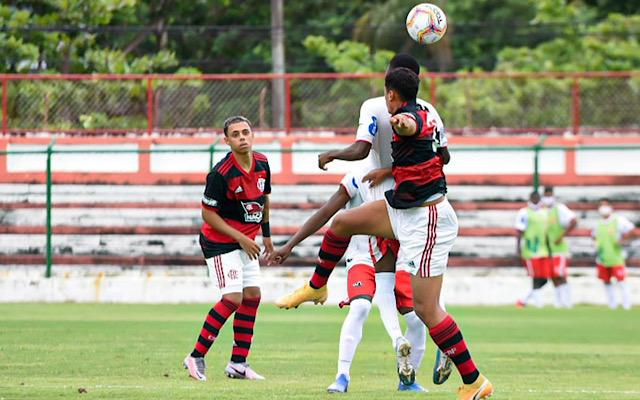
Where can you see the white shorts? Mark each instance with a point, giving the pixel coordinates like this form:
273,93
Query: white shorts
362,250
233,271
426,235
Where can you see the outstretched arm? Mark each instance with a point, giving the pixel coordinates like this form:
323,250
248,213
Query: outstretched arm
355,151
339,199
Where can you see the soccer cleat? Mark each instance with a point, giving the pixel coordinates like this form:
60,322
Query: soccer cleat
520,304
415,387
406,372
242,371
480,389
196,367
301,295
442,368
341,385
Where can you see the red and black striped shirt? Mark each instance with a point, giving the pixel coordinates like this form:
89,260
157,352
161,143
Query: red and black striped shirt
238,196
417,166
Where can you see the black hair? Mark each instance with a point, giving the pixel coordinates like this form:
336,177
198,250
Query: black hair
548,189
534,193
403,60
234,120
403,81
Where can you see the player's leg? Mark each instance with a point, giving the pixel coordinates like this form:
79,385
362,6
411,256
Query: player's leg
416,332
244,321
620,274
386,301
368,219
448,337
426,237
538,270
361,286
231,288
604,274
559,278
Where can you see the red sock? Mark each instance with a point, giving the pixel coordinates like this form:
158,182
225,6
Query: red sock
243,322
331,251
215,319
448,338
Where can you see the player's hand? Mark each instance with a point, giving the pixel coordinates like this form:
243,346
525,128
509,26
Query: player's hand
279,256
324,159
377,176
250,247
559,240
268,247
399,122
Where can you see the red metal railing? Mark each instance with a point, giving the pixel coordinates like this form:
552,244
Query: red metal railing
550,102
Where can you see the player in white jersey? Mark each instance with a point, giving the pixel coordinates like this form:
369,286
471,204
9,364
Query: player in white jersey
361,286
373,141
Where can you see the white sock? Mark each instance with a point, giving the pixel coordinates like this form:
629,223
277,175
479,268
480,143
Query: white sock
416,334
351,333
557,290
386,301
611,296
533,298
566,296
626,297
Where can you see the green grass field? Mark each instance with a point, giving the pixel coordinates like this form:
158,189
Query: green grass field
51,351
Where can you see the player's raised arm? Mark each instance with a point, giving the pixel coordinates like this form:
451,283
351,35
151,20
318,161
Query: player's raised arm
337,201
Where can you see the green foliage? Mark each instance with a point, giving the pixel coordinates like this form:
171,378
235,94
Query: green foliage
349,56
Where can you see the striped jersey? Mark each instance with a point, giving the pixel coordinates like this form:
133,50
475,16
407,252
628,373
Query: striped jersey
238,196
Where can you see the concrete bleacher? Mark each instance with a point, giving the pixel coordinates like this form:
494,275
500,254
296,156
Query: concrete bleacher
158,225
139,243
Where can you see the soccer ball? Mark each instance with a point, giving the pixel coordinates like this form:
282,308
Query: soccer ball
426,23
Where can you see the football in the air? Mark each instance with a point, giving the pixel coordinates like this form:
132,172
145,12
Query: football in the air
426,23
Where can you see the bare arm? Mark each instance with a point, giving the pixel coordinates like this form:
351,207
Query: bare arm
266,240
444,153
518,248
404,125
212,218
312,225
355,151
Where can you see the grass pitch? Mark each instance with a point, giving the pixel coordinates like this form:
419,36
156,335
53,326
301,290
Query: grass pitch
96,351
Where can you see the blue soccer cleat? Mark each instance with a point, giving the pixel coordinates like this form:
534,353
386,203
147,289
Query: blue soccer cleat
442,368
414,387
340,385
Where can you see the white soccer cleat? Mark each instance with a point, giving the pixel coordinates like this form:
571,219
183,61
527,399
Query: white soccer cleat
406,372
196,367
242,371
341,385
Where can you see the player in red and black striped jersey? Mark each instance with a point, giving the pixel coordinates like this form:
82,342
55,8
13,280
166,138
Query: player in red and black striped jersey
417,214
235,206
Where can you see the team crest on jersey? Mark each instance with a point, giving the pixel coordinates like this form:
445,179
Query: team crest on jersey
261,182
252,211
373,126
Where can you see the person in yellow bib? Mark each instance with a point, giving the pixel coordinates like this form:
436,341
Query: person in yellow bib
610,234
531,229
561,221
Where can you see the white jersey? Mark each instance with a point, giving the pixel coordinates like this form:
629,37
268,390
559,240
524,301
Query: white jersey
374,126
360,249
